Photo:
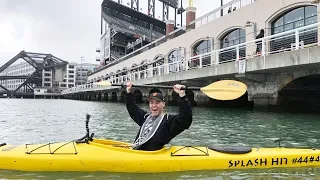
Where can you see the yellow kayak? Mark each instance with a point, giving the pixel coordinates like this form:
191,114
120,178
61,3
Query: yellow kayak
115,156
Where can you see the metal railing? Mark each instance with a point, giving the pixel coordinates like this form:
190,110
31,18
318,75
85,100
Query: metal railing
291,40
182,30
212,15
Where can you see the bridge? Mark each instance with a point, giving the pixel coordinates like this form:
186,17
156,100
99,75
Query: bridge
39,62
273,77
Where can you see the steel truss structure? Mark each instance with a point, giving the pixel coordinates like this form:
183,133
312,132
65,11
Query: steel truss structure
39,61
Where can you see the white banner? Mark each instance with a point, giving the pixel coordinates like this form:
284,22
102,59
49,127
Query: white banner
107,45
242,66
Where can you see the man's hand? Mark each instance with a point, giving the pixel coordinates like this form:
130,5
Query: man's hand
129,87
177,89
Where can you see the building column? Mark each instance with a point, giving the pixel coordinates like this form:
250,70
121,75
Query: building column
169,27
190,17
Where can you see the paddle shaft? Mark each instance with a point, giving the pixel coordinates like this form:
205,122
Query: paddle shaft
160,87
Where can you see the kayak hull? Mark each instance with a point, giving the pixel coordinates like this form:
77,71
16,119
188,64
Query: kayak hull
115,156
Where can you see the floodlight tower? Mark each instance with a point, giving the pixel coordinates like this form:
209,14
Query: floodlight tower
151,7
135,5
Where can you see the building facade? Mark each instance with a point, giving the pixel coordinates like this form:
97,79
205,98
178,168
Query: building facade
124,30
82,71
55,80
241,22
21,69
69,77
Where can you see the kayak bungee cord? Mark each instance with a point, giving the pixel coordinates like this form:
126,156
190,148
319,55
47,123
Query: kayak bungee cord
51,152
84,139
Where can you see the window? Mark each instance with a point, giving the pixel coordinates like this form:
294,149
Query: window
237,36
201,48
174,56
293,19
159,62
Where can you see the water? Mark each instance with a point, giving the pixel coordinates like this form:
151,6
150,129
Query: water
42,120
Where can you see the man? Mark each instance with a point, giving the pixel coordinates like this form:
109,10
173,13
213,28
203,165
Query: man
259,43
157,128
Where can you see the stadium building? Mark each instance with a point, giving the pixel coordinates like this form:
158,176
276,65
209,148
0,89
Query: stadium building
236,22
124,30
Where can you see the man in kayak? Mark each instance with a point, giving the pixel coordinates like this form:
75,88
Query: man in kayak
157,128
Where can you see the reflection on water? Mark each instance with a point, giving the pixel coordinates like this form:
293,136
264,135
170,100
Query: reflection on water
295,173
43,120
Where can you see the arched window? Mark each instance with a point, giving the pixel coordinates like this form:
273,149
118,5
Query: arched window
174,56
158,61
134,70
234,37
143,66
124,72
293,19
117,75
201,48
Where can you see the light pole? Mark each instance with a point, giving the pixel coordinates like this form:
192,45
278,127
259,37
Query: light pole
221,8
81,69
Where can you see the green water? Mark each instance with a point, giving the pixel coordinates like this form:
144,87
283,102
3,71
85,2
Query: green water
42,120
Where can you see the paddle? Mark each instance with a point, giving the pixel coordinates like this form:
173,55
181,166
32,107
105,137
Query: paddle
220,90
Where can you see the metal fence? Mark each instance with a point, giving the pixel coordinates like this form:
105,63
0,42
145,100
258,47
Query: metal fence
291,40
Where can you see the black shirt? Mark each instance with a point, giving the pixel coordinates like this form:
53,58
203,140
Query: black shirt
170,127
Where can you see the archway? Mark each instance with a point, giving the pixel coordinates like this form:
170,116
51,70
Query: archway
98,96
301,95
123,93
233,37
114,97
138,96
105,97
291,19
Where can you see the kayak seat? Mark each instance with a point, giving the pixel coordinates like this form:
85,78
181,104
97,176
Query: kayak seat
231,149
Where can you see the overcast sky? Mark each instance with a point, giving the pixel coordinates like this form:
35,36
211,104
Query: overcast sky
67,29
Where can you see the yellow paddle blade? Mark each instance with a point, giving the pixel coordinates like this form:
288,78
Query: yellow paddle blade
103,83
225,90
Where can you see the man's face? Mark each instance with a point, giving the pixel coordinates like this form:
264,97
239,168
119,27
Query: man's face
156,107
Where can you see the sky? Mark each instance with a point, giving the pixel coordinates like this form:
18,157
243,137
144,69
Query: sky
67,29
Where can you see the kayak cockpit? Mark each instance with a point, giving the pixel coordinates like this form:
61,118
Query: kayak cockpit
231,149
3,144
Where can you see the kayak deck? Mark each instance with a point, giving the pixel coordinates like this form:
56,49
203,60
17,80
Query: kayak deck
115,156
